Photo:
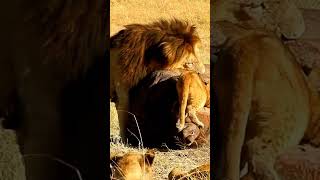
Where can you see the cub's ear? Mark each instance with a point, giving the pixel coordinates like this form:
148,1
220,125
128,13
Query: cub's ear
149,156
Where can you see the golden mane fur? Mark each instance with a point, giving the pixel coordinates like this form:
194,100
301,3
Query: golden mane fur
159,45
73,30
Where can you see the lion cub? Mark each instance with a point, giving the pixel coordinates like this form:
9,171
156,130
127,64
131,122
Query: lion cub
200,172
193,94
132,166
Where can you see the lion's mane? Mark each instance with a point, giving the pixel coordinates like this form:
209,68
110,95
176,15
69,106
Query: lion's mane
144,48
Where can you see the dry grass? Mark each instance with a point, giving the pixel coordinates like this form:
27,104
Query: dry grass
165,161
145,11
124,12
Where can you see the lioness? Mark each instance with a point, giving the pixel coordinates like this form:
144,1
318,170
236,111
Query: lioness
132,166
193,94
265,104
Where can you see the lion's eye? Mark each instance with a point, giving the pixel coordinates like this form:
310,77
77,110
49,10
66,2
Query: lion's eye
192,133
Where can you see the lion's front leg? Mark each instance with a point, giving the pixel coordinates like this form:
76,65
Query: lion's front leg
123,109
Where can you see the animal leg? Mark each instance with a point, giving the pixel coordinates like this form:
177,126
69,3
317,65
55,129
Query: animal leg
122,108
183,92
193,116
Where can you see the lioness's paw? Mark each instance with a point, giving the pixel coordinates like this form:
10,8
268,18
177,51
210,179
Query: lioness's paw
180,126
200,124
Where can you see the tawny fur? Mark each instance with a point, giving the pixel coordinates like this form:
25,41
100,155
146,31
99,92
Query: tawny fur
193,94
265,105
132,166
140,49
200,172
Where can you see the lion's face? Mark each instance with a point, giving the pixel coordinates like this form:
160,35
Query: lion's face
133,166
190,61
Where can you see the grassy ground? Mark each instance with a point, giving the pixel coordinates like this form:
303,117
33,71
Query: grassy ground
144,11
165,161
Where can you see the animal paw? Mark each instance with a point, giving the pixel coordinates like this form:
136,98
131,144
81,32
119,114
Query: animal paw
180,126
200,124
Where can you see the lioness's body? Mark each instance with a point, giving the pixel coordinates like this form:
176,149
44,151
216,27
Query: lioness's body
264,102
193,94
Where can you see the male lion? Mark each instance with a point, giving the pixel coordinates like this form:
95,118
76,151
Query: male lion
52,60
264,102
193,94
132,166
140,49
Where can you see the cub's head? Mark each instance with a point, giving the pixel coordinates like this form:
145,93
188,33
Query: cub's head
132,166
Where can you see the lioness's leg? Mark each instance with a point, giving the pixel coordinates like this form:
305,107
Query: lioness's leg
193,116
182,87
41,131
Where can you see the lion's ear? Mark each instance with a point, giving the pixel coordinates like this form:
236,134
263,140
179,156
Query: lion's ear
176,173
149,156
